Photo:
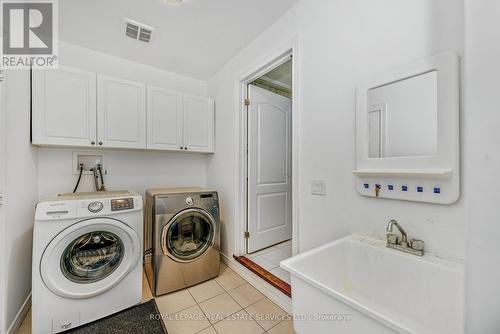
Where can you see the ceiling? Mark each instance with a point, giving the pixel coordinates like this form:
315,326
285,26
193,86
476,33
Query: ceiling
194,38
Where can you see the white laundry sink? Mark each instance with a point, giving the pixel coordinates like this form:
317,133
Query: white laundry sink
357,285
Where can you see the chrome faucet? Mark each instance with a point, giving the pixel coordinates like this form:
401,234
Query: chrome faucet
413,246
404,237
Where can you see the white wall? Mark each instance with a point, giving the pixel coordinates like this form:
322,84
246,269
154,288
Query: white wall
340,42
127,170
482,135
2,220
21,194
33,173
94,61
134,170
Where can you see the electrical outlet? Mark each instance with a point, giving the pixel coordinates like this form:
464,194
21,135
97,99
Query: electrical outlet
318,187
89,160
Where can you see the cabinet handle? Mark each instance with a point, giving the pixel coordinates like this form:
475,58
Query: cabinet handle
100,143
182,147
185,148
92,142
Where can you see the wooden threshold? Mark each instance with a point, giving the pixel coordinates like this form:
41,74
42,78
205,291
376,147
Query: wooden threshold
265,275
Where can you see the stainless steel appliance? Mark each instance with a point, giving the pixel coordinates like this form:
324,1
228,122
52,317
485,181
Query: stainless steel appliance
181,238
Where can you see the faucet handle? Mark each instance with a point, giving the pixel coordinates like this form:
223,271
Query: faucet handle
392,238
417,244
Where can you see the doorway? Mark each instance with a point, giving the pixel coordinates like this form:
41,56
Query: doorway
268,160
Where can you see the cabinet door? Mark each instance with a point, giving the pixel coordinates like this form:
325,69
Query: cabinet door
64,107
164,129
198,123
121,113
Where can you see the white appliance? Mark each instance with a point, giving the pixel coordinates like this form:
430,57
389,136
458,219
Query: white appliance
87,251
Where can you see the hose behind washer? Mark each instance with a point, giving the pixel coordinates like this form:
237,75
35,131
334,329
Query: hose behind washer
79,179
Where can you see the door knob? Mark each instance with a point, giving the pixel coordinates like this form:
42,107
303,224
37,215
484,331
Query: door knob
92,142
100,143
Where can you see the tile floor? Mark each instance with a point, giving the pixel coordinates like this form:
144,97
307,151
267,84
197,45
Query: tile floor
224,305
271,257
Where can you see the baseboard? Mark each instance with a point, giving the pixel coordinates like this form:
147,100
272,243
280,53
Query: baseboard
265,288
21,314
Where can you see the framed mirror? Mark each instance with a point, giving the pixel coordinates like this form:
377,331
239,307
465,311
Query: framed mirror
407,132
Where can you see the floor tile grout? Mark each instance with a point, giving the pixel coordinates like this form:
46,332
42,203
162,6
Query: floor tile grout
276,268
275,325
280,244
242,308
233,312
225,291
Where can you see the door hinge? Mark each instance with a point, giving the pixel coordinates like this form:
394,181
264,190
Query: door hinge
246,234
247,102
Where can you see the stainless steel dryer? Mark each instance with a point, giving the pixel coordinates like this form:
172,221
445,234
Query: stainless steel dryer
181,238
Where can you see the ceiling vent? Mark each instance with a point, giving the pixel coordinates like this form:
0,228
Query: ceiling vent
138,31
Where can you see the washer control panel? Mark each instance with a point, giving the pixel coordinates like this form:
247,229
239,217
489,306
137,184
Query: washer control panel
122,204
87,206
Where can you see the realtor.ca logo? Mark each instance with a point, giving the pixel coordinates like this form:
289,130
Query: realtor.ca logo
29,33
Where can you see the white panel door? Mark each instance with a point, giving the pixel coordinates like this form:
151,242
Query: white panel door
269,169
164,130
198,123
121,113
64,107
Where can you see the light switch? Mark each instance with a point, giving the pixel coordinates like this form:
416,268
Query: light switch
318,187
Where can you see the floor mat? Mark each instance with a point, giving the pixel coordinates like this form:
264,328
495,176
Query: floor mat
140,319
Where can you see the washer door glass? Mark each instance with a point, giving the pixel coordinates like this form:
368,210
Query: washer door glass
92,257
189,234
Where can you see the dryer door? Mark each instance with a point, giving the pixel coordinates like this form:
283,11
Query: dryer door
89,257
188,235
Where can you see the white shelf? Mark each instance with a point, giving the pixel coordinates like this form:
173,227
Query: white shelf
413,173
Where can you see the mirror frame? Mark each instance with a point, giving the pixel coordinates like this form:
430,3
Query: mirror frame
441,170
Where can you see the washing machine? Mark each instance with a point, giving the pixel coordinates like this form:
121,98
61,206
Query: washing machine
182,238
87,251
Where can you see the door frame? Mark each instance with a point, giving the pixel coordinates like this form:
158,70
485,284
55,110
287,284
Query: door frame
270,61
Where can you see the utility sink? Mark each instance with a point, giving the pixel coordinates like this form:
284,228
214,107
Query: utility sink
358,285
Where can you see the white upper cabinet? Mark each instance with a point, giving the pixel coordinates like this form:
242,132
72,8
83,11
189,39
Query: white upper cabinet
121,113
84,109
64,107
198,124
164,119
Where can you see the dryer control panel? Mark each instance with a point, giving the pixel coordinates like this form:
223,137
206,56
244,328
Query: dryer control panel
122,204
207,199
